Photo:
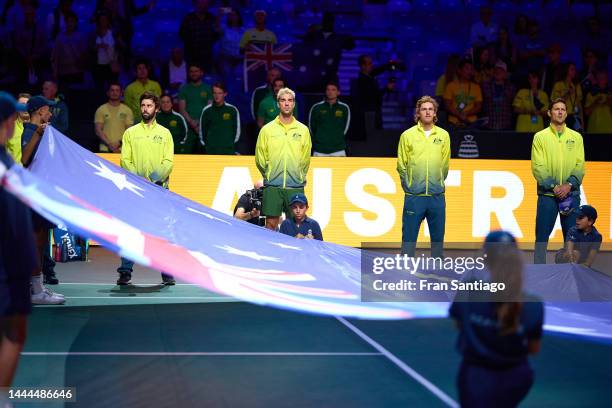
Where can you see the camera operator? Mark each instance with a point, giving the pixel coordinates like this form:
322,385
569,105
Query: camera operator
248,207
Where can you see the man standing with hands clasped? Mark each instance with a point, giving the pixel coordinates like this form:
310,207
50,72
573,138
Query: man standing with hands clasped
282,156
148,151
557,163
423,157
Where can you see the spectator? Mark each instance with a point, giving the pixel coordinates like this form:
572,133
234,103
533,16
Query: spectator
246,208
174,122
174,72
112,119
261,92
330,45
463,97
559,174
13,145
329,121
367,96
31,49
598,105
449,75
484,32
497,332
199,31
230,57
259,34
552,70
56,20
268,108
68,58
521,23
299,225
531,53
586,76
583,240
423,156
121,13
149,157
570,90
219,123
40,115
59,108
482,66
505,49
141,85
17,262
531,105
282,156
106,67
498,94
193,97
598,38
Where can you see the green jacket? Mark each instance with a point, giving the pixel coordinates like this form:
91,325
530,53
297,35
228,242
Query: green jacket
177,126
422,162
557,159
282,154
148,151
220,128
328,126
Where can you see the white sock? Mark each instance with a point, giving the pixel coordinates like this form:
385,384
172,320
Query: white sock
37,285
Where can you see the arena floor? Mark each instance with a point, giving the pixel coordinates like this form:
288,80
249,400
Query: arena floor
153,346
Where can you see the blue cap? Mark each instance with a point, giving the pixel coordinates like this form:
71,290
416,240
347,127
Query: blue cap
298,198
9,105
37,102
587,211
500,237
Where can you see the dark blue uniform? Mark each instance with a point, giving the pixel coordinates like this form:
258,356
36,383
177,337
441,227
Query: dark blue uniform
584,242
495,371
17,251
289,227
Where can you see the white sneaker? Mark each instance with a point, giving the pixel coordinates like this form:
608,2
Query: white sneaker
46,298
52,293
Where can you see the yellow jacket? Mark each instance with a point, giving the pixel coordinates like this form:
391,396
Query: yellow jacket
557,159
282,153
148,151
422,162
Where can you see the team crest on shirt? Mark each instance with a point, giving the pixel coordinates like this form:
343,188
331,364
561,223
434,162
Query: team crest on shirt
158,139
323,111
296,136
570,144
204,94
173,123
339,114
437,141
227,116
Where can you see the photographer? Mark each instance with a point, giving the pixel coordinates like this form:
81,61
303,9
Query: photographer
248,207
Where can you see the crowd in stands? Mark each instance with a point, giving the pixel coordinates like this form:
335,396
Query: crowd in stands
503,82
506,83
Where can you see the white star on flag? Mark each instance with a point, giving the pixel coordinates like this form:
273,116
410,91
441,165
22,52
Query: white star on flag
210,217
249,254
118,179
284,246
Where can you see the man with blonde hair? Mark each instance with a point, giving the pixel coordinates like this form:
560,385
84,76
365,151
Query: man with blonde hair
423,157
282,156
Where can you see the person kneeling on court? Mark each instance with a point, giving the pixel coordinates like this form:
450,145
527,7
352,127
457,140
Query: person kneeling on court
583,240
497,331
300,226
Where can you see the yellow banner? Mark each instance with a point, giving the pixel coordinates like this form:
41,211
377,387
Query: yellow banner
358,200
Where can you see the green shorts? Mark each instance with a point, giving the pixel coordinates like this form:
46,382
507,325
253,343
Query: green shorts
276,200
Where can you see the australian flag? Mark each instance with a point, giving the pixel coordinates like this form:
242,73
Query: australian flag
261,57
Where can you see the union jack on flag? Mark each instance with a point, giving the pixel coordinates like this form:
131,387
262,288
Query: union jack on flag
267,56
